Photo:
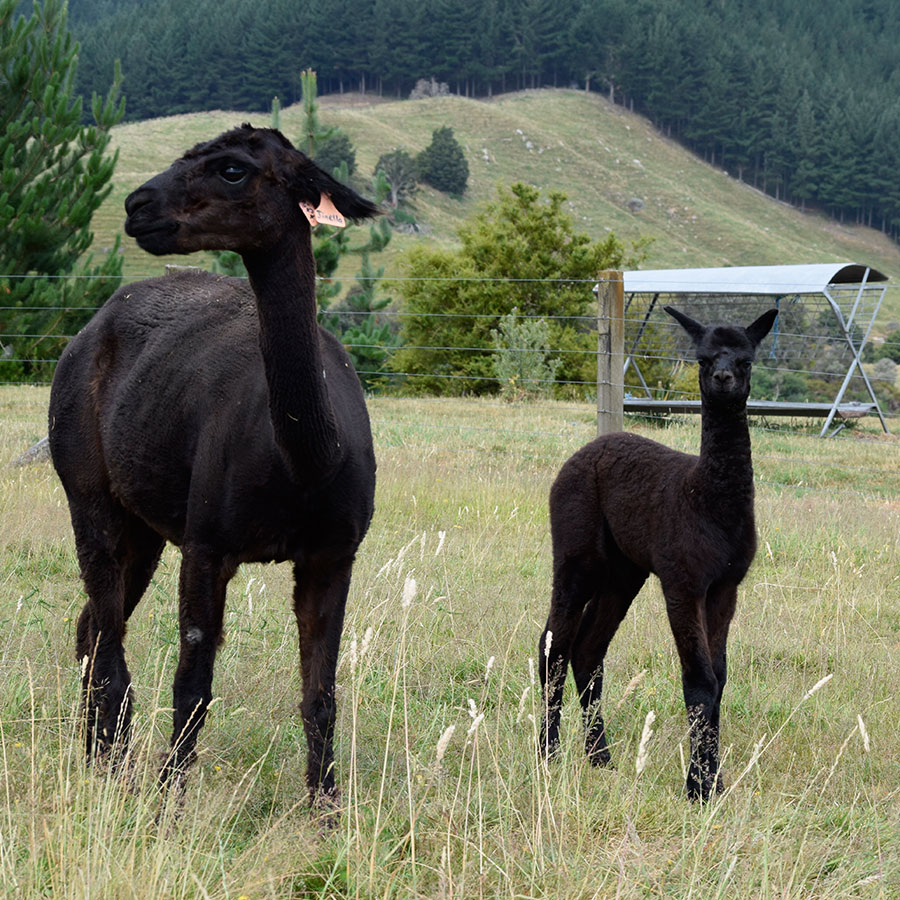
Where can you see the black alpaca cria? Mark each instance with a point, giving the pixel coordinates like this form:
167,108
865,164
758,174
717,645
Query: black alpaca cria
624,506
217,415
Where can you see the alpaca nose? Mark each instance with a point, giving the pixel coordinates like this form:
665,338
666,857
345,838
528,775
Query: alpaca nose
136,199
723,377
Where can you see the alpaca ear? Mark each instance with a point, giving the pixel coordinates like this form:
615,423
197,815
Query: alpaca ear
310,182
694,329
761,327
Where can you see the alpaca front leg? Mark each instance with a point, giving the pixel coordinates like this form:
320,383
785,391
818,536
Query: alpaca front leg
703,771
320,597
720,609
701,692
202,588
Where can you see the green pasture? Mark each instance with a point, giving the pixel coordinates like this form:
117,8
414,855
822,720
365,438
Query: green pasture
442,792
607,160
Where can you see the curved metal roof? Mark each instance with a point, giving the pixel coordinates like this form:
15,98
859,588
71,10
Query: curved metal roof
803,279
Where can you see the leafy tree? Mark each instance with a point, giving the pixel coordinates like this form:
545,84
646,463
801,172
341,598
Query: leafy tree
335,150
889,348
353,318
402,175
442,164
55,175
885,370
520,251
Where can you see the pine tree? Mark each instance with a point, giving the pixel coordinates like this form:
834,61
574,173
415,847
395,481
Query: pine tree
805,176
442,164
55,175
313,132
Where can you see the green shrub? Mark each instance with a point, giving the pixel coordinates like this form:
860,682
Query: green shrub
522,361
442,163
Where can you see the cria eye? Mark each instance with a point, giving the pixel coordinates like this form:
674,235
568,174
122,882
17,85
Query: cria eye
233,174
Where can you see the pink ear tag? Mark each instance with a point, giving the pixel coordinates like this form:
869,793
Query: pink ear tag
309,211
327,213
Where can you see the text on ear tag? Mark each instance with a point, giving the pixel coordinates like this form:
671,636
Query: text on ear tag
309,211
326,213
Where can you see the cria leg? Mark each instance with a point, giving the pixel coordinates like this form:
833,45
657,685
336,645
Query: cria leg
600,621
573,590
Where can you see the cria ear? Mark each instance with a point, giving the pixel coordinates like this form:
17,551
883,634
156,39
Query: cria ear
309,183
761,327
693,328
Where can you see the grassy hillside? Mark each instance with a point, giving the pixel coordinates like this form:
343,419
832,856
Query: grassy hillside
600,155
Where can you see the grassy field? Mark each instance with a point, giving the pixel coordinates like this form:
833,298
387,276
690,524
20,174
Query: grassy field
449,596
600,155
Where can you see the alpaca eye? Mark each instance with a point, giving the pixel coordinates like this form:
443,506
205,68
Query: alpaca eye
233,174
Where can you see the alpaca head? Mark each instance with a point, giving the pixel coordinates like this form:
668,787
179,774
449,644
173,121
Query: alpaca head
725,354
240,191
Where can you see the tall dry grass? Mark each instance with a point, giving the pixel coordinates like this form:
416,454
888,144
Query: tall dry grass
443,793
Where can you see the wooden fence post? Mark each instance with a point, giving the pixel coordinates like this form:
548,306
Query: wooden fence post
610,351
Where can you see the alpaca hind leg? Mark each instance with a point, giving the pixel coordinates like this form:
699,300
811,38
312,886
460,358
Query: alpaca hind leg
201,606
320,597
117,581
573,589
599,624
99,525
701,690
143,548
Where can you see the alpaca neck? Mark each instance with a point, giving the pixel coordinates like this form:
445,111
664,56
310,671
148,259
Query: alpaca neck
306,428
725,463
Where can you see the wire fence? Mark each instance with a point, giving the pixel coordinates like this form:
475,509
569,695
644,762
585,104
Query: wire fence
806,347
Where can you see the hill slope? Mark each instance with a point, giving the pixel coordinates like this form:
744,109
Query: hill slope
608,161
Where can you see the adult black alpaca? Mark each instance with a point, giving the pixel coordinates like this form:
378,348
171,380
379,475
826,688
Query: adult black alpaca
624,506
219,416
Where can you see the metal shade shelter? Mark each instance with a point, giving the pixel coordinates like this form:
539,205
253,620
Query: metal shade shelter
826,313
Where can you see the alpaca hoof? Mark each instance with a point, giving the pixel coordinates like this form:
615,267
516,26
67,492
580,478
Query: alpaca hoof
703,791
597,750
172,779
549,750
599,756
326,809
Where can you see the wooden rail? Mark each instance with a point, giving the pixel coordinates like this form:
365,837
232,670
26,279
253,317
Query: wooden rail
854,410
